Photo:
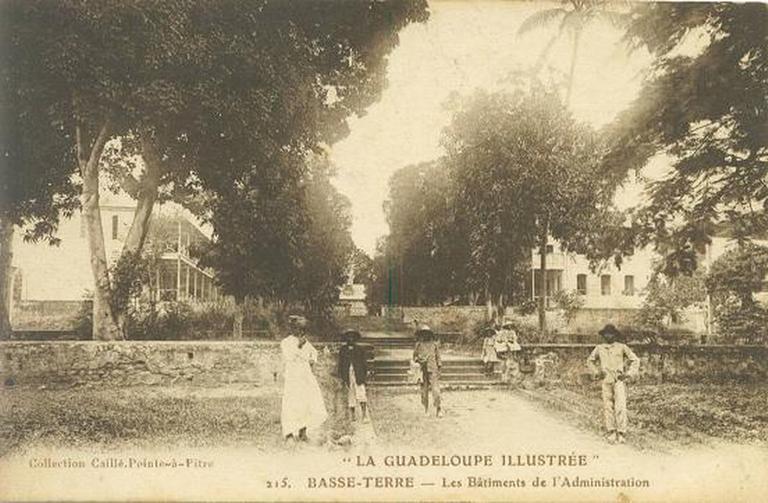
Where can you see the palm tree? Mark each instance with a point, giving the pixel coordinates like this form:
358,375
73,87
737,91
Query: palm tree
574,16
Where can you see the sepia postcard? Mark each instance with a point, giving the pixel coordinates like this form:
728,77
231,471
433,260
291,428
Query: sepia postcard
383,250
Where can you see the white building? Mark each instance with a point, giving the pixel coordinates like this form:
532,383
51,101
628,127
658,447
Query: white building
609,287
612,293
58,276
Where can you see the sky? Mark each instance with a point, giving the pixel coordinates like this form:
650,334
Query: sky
467,45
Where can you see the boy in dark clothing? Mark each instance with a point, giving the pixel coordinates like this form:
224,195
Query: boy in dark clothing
353,370
427,354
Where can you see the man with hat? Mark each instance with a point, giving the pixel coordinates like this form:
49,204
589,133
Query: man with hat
353,370
608,361
427,354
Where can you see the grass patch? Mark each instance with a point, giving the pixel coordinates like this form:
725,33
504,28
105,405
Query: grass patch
145,417
668,415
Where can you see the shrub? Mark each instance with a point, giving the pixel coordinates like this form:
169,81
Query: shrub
162,321
667,298
83,324
476,331
570,302
733,280
184,321
527,331
526,307
742,322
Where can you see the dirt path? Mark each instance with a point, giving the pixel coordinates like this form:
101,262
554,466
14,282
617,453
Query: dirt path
490,420
490,445
506,424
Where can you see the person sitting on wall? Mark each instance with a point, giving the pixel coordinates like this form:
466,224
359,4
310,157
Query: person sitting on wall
353,370
506,344
303,406
489,356
612,356
427,354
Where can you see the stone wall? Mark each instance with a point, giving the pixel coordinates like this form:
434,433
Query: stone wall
445,318
566,364
46,314
589,321
151,363
585,321
68,363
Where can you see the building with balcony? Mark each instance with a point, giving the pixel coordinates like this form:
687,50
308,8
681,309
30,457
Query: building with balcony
52,281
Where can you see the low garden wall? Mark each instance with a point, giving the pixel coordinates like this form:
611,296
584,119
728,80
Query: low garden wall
58,315
66,363
211,363
566,364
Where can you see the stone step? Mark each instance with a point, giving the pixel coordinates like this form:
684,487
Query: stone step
453,385
451,369
391,338
464,362
402,378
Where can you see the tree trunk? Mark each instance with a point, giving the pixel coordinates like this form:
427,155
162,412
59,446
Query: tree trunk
572,71
237,324
145,198
488,304
146,195
501,308
543,268
6,277
105,324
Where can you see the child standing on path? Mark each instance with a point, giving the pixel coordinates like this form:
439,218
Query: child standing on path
489,356
427,354
353,371
608,361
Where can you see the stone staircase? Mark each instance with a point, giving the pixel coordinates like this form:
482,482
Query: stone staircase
389,365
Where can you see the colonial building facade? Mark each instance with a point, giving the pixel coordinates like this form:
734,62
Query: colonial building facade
56,276
613,293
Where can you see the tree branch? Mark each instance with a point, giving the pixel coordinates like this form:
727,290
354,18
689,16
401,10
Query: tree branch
98,145
79,141
128,183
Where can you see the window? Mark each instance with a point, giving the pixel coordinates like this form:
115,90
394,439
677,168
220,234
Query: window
629,285
605,284
550,248
581,284
114,226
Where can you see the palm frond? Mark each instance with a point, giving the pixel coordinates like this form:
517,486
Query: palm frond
615,19
540,19
573,20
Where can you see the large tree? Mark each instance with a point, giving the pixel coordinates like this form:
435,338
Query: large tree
704,106
283,240
202,89
524,170
732,281
573,17
425,245
256,227
325,247
35,186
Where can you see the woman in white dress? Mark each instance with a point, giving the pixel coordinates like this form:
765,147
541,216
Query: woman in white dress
303,406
